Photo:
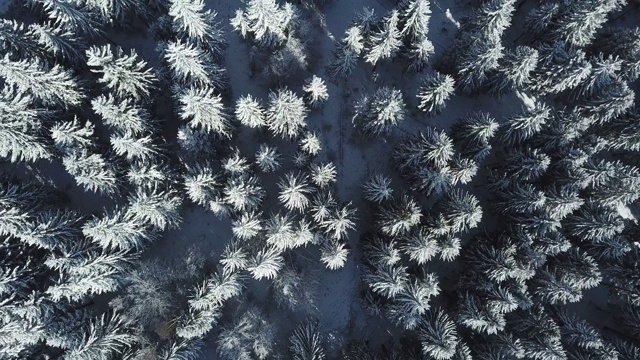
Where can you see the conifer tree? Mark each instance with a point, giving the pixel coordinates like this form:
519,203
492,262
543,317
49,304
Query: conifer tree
196,323
234,258
622,43
578,22
58,41
286,114
421,244
204,109
71,15
384,43
310,144
438,335
122,114
123,74
476,63
435,90
54,86
414,17
515,70
315,91
430,148
195,24
182,350
104,337
250,112
190,65
377,114
294,191
157,208
419,54
243,192
400,216
266,263
377,189
118,230
334,254
323,175
306,342
92,171
339,221
265,21
247,226
561,68
524,126
268,158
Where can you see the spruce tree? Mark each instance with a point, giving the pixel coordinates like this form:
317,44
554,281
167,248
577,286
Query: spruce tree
266,263
249,112
54,86
315,91
194,24
561,68
515,70
104,337
333,254
414,18
377,189
190,65
438,335
122,114
306,342
435,90
123,74
522,127
286,114
377,114
384,43
202,108
399,216
243,192
419,54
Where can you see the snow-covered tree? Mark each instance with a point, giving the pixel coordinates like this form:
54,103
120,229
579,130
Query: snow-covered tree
54,86
20,129
322,205
414,18
160,209
280,231
438,335
196,323
122,114
182,349
323,175
377,114
92,171
399,216
123,74
265,21
268,158
247,226
234,258
475,65
344,61
421,244
387,280
410,305
525,164
295,191
577,22
250,112
377,189
104,337
243,192
315,91
266,263
385,43
561,68
419,54
286,113
306,342
490,19
430,148
310,144
623,44
71,15
202,108
195,24
118,230
339,221
58,41
333,254
524,126
191,65
134,148
434,91
515,70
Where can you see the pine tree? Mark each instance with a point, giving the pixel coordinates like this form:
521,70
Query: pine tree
400,216
414,17
377,189
421,245
387,280
118,230
519,198
54,86
104,336
266,21
20,138
203,109
380,252
409,306
216,290
323,175
294,191
160,209
345,60
191,65
134,148
266,264
201,184
92,171
377,114
122,114
247,226
561,68
578,22
339,221
17,40
419,54
182,350
334,254
315,92
310,144
490,19
539,19
435,90
384,43
472,133
430,148
243,192
196,323
250,112
525,164
462,170
234,258
515,70
123,74
524,126
353,39
194,24
322,205
268,158
476,64
58,41
306,342
478,317
286,113
280,231
594,223
70,15
438,335
622,43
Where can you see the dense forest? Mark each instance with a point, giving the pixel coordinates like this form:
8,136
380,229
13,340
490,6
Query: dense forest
319,179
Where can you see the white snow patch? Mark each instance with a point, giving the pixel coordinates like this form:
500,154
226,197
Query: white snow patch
529,101
449,16
625,213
